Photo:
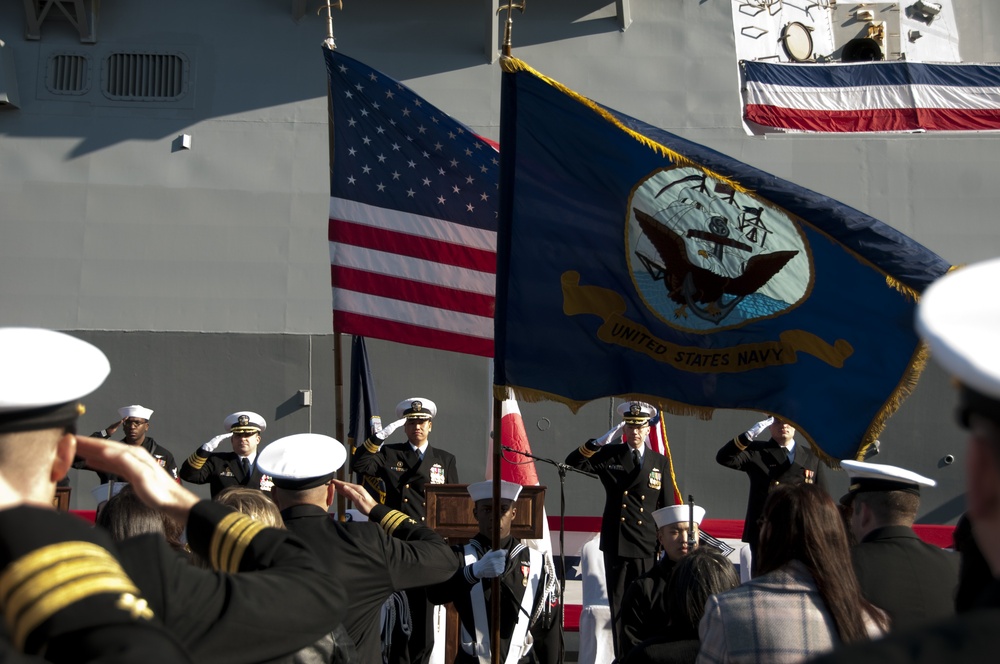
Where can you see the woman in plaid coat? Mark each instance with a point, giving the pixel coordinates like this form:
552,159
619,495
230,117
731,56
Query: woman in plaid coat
805,600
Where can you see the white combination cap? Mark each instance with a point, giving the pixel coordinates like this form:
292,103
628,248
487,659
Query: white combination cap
43,374
245,421
484,490
416,408
866,477
636,412
959,318
677,514
302,461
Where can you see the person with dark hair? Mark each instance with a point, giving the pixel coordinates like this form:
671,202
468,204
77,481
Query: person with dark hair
699,575
125,516
805,600
645,607
779,460
913,582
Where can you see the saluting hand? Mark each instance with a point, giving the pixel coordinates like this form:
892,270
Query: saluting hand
134,464
356,493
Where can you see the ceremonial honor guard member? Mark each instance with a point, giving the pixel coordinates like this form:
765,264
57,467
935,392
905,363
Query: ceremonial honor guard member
134,421
237,468
780,460
71,595
914,582
396,474
529,625
644,612
634,486
389,552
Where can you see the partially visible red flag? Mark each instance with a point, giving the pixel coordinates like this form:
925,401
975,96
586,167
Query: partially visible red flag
657,442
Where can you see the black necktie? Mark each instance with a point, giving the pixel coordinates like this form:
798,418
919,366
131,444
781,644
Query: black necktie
636,461
245,462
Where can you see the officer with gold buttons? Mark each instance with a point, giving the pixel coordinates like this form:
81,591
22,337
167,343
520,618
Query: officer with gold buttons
636,483
395,475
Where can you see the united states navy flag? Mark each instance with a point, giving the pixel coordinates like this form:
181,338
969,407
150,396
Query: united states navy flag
634,263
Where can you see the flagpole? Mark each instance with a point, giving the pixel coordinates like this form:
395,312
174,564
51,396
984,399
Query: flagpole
338,357
338,426
495,584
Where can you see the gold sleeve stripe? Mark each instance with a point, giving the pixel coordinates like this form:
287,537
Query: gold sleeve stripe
586,451
230,540
392,520
196,461
372,447
739,443
46,581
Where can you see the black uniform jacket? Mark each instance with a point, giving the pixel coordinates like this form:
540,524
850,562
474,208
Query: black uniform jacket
157,451
912,581
766,464
644,608
631,495
64,593
220,470
282,599
390,552
969,637
544,629
399,476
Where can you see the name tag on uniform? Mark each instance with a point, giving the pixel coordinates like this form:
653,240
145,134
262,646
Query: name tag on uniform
655,478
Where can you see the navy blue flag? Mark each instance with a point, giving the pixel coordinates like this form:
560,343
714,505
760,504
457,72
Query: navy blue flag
364,420
633,263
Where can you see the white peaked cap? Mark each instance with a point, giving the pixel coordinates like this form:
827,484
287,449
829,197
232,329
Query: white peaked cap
883,477
135,411
636,411
245,420
959,318
302,461
676,514
416,408
40,368
484,490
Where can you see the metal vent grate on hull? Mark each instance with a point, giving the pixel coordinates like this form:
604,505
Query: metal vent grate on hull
68,74
145,76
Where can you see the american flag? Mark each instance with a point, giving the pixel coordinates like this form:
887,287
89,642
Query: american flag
413,216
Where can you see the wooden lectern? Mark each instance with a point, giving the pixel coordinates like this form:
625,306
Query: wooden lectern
449,514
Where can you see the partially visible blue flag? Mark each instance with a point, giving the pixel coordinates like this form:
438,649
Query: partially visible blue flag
364,420
634,263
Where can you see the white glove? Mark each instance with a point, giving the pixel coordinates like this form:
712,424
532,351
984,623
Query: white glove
612,433
490,565
215,442
756,429
387,431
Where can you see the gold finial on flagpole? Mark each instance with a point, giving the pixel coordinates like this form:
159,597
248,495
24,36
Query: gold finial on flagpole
511,6
329,7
